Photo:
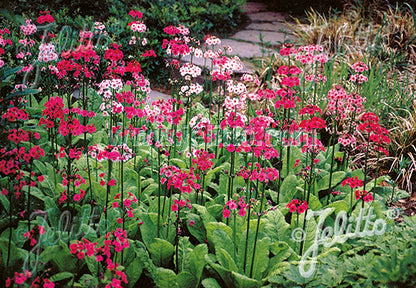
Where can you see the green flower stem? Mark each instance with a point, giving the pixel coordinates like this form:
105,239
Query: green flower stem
110,166
248,212
331,143
365,168
158,196
260,213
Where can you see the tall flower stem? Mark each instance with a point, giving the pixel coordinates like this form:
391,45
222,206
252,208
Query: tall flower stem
365,169
331,143
248,212
110,166
259,214
331,169
311,180
159,190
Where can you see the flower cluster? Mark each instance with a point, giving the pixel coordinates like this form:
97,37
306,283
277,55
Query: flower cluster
179,179
29,28
203,160
353,182
47,53
114,153
45,17
377,135
115,240
179,204
359,67
297,206
233,204
259,173
366,196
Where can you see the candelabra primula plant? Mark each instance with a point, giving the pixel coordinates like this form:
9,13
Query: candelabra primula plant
102,187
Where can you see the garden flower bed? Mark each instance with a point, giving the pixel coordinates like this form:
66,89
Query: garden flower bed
100,188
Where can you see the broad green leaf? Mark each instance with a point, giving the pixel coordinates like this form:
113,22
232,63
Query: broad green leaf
337,177
276,227
339,206
161,252
243,281
197,229
87,280
165,278
184,251
212,226
61,257
276,272
281,250
5,202
261,258
210,283
61,276
295,153
92,264
203,212
178,163
134,271
314,203
222,240
186,280
225,259
197,260
288,189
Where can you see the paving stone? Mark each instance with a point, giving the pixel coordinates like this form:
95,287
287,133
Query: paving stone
254,7
267,26
154,95
201,62
244,49
254,36
267,17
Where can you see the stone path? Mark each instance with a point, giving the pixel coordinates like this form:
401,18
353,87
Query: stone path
246,43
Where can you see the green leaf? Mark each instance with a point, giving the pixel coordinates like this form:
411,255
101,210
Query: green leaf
165,278
210,283
225,259
61,276
5,202
276,272
60,256
314,203
288,189
186,280
337,177
197,261
184,252
178,163
295,153
197,230
261,259
4,244
92,264
212,226
161,252
244,281
276,227
88,280
223,241
134,271
339,206
281,250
